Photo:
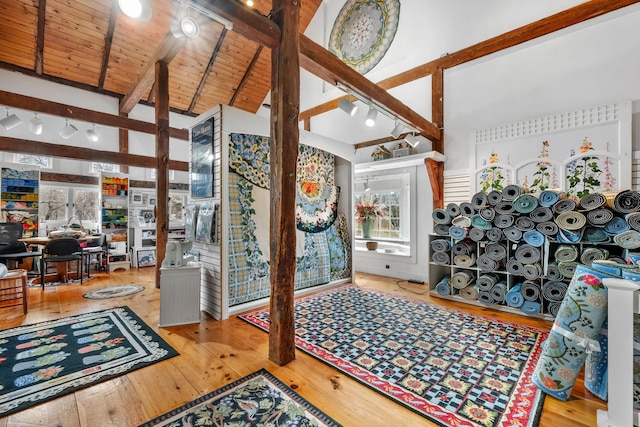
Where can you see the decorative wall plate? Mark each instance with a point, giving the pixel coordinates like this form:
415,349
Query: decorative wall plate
363,31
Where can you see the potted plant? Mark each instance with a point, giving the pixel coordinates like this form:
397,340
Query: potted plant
367,209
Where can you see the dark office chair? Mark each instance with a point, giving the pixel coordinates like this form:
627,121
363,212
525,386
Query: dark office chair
62,249
96,252
10,248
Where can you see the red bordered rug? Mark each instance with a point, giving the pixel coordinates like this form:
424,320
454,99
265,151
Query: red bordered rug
454,368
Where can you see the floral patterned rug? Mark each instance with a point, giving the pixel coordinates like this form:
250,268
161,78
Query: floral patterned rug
259,399
454,368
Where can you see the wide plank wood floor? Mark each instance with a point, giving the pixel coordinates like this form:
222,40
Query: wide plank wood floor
214,353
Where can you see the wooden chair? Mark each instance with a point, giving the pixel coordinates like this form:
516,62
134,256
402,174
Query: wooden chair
13,289
61,250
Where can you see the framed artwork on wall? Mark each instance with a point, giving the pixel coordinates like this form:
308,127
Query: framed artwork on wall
201,176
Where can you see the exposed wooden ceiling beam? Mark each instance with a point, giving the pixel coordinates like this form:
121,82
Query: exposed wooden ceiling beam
319,61
72,112
42,11
575,15
108,43
167,50
379,141
207,70
247,73
246,21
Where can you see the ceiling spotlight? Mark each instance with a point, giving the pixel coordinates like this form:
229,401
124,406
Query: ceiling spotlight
68,130
370,121
137,9
412,140
10,121
189,27
250,3
92,135
397,130
35,125
347,106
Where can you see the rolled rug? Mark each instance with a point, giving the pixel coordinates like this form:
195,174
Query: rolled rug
548,198
495,251
534,238
530,290
524,223
441,216
547,228
595,235
441,245
464,260
494,197
564,205
462,278
441,229
488,213
571,220
527,254
589,255
505,207
476,234
566,236
443,288
499,292
469,292
592,201
599,216
514,298
514,267
467,209
485,263
629,239
441,258
531,308
504,220
511,192
611,266
596,368
461,221
453,209
457,233
485,297
554,290
479,200
512,234
625,201
463,247
567,268
486,281
478,222
494,234
554,307
580,317
617,225
566,253
525,203
553,273
532,271
541,214
633,219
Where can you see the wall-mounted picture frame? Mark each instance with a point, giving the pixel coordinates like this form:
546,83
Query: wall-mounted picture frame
136,198
152,200
146,257
201,175
141,221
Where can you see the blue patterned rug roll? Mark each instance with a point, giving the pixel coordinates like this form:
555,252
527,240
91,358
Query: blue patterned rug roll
443,288
566,236
531,308
548,198
533,238
582,313
617,225
457,233
441,216
595,235
525,203
596,368
514,298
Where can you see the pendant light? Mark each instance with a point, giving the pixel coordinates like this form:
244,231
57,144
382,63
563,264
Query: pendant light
92,135
35,125
10,121
370,121
347,106
68,130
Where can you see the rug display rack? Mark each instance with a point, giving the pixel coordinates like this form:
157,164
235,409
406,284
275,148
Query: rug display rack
516,251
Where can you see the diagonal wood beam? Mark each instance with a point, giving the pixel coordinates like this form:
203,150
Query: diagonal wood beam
207,70
247,73
108,43
42,10
319,61
167,50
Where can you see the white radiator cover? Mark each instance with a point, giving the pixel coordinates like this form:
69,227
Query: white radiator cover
180,294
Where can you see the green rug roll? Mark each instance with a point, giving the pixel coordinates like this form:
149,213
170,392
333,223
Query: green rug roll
567,268
566,253
591,254
525,203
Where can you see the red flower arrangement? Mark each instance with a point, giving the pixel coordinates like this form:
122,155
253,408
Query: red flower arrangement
366,209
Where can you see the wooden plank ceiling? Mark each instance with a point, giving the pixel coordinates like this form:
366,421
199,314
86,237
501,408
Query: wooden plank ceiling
90,44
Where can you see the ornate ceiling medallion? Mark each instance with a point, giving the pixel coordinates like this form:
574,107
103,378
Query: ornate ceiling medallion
363,31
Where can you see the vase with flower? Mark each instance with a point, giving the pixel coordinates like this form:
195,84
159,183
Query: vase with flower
367,210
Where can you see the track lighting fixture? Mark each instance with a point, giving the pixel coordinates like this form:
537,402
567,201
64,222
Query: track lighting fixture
347,106
370,121
412,140
10,121
92,135
137,9
189,27
35,125
397,130
68,130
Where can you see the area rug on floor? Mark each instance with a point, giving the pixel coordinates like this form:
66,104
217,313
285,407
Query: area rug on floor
46,360
259,399
454,368
114,291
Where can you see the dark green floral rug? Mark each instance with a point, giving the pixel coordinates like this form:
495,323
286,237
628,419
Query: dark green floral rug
259,399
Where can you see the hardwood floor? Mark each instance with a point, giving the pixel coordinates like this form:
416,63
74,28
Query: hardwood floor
214,353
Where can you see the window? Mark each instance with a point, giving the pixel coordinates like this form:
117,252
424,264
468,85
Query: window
53,203
33,160
59,204
97,167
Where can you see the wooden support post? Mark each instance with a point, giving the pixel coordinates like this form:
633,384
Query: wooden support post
435,169
162,155
123,142
436,177
285,107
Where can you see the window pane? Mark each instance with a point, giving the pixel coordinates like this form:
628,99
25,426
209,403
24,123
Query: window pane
86,205
53,204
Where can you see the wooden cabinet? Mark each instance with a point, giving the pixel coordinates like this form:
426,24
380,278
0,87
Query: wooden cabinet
19,200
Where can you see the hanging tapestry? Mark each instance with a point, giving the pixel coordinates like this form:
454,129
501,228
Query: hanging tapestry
363,32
